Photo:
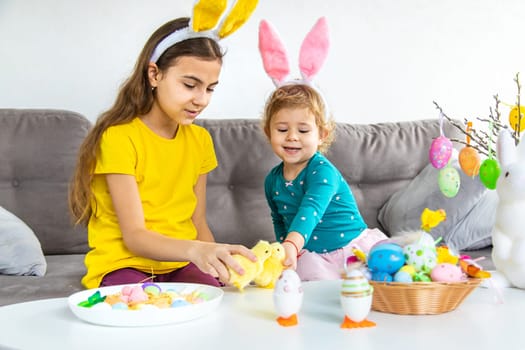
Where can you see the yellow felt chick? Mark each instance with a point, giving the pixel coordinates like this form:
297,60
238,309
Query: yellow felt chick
444,255
272,267
432,218
262,250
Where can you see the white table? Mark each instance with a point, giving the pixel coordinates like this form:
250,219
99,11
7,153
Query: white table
247,321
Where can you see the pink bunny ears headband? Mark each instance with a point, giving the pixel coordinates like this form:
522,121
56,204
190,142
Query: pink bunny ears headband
312,55
203,23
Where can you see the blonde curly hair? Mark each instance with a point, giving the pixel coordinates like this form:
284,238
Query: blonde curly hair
300,96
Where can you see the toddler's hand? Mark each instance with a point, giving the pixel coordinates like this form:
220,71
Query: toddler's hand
290,261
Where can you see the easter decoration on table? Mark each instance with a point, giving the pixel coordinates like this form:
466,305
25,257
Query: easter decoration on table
93,299
470,267
288,298
262,251
272,267
141,296
385,259
407,258
508,236
356,299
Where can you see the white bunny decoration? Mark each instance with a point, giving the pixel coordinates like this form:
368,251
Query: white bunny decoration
508,236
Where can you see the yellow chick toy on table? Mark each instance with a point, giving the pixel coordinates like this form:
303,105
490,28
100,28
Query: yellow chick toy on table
272,267
263,251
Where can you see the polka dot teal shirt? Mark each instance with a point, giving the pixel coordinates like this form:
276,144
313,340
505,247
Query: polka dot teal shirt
318,204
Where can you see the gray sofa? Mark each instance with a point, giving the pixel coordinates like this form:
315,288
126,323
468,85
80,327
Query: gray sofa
38,151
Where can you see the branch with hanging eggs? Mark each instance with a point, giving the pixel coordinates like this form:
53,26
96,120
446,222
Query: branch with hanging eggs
477,142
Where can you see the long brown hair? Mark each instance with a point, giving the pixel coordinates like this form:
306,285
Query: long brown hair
135,98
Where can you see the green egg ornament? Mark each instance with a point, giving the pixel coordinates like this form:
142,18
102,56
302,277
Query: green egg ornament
489,172
449,181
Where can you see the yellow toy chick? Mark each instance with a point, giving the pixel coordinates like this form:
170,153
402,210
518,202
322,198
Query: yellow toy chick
272,268
432,218
444,255
262,250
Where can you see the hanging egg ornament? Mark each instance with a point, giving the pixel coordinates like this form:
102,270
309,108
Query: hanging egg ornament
513,118
469,159
449,181
440,152
489,172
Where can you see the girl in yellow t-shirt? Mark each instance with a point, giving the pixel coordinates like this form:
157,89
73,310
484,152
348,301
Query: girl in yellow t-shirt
140,181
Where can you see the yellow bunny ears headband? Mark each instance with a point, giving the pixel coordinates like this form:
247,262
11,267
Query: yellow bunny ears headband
206,23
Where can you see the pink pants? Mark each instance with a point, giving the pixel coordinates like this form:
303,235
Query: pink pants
330,266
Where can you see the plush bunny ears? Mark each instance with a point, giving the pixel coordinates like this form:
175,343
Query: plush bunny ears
203,23
312,55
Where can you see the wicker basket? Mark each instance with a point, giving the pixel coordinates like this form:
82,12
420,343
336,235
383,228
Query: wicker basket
420,298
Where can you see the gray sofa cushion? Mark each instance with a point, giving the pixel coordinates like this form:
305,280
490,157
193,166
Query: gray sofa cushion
20,250
61,280
38,150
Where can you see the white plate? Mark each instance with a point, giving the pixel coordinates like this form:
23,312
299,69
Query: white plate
147,316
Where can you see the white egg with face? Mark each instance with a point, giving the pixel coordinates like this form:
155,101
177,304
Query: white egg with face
288,294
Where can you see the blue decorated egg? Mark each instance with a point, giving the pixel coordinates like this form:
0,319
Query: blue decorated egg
386,257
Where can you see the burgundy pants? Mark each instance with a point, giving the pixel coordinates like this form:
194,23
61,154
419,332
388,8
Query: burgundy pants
187,274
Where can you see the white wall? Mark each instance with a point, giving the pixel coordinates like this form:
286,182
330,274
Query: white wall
389,58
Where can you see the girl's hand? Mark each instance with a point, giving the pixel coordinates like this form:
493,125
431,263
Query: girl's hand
215,258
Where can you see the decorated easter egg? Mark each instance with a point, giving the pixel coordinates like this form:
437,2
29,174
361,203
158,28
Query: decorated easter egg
386,257
119,306
489,172
422,277
449,181
469,161
381,276
440,152
152,288
355,284
356,295
426,240
446,272
513,118
408,269
422,258
403,277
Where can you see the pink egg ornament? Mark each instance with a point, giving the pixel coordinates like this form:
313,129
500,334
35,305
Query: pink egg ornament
440,152
447,272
